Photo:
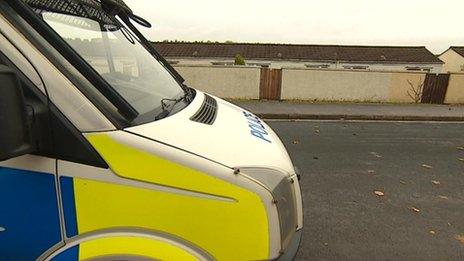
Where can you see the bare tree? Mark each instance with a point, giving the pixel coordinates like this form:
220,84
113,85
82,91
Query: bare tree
415,91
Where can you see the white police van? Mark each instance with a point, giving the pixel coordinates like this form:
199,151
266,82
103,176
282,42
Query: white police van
106,155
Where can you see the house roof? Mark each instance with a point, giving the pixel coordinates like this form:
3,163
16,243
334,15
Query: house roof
458,49
333,53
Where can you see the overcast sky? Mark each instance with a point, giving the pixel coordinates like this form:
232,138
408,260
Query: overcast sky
435,24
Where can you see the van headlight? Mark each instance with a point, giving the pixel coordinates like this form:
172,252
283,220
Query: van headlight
280,185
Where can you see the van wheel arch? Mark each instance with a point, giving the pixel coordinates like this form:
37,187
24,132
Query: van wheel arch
126,237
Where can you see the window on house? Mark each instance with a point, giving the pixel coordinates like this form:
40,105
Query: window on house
355,67
222,63
264,65
317,66
418,69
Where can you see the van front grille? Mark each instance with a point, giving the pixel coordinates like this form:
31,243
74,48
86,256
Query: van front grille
207,112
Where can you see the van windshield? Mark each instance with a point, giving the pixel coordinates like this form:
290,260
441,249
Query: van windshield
119,57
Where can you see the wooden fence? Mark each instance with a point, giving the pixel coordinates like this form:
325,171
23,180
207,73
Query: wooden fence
270,86
435,87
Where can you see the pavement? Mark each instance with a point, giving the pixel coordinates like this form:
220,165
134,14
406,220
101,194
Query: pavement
416,169
357,111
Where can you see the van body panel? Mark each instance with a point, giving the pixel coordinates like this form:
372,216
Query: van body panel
232,139
130,246
127,244
29,219
72,171
182,216
190,160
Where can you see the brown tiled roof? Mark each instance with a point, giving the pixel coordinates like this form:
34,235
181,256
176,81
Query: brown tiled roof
375,54
458,49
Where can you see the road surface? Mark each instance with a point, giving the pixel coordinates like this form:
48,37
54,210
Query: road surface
348,166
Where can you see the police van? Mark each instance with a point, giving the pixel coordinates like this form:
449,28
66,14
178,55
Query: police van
105,153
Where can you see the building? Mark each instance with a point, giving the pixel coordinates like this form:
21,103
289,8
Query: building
368,58
453,59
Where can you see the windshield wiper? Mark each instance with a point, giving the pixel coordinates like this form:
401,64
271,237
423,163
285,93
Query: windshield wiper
168,109
120,9
189,93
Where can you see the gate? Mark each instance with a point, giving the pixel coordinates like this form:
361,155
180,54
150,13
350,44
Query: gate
435,87
271,84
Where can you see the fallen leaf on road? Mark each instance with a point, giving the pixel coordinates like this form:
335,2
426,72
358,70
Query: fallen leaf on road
436,182
296,142
415,209
443,197
460,148
432,232
460,238
379,193
371,171
461,159
427,166
375,154
403,182
316,158
317,131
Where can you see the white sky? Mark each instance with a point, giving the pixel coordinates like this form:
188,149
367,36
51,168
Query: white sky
435,24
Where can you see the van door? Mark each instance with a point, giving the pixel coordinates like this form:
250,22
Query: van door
29,215
29,209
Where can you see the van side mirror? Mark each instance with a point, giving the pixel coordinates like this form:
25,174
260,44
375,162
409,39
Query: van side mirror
15,130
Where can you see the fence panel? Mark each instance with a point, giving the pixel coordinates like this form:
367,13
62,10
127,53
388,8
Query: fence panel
271,84
435,87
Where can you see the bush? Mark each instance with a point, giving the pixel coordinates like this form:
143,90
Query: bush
239,60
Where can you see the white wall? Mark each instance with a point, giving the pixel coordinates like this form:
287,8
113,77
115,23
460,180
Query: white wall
331,85
455,93
226,82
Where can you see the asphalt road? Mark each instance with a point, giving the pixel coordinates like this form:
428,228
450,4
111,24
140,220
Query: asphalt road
416,165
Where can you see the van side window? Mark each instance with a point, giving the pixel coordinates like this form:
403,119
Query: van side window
56,136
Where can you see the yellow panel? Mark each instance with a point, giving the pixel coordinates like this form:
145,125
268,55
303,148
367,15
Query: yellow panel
132,163
132,246
235,230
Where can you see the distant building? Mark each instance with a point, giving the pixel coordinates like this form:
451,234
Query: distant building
453,59
375,58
